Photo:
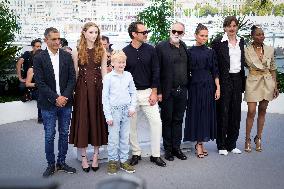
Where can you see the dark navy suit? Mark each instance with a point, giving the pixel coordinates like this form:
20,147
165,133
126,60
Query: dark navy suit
45,80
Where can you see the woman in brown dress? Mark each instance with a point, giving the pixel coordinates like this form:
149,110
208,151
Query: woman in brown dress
88,122
261,85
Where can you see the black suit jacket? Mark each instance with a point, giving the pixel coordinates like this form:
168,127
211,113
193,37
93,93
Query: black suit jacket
222,52
166,67
45,78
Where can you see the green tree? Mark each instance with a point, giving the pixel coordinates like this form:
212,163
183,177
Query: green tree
207,10
8,28
280,81
157,18
187,12
197,6
279,10
258,8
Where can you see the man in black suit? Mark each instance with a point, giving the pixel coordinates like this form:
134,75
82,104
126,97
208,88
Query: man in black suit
55,78
230,54
174,61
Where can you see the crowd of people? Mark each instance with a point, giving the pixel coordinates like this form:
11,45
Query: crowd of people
107,87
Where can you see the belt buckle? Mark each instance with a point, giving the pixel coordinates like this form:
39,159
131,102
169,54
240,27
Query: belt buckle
178,89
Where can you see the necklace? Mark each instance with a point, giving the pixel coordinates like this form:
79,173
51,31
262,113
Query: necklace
258,48
259,51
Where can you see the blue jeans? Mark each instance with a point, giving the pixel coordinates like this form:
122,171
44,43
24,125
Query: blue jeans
118,137
49,123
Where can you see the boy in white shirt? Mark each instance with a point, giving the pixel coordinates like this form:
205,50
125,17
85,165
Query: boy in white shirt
119,102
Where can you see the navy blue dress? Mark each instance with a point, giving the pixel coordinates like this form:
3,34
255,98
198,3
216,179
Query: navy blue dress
201,122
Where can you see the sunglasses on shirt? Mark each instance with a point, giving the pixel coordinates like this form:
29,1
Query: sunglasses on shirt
176,31
144,32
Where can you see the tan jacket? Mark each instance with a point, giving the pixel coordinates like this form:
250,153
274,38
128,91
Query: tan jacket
259,84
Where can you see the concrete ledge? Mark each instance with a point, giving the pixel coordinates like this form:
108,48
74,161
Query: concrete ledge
17,111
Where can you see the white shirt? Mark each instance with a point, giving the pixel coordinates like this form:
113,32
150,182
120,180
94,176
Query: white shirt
55,63
118,90
235,55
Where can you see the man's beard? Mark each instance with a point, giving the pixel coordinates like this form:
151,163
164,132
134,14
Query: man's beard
175,39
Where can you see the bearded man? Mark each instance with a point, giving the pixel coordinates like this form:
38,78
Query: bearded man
172,93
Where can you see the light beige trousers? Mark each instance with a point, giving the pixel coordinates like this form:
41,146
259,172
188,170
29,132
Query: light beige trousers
153,115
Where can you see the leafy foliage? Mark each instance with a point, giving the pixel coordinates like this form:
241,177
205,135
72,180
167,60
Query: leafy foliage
208,10
157,18
258,8
254,7
227,11
9,98
280,80
9,89
279,10
8,28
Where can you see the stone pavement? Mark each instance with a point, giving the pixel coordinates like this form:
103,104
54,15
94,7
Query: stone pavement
22,156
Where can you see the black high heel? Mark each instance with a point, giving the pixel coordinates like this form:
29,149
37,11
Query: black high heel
95,168
87,169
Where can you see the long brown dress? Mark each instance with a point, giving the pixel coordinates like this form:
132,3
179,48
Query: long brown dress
88,124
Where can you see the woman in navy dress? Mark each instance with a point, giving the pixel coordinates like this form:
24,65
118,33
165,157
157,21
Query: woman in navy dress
204,90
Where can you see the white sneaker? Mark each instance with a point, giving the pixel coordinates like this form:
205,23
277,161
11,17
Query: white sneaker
223,152
236,151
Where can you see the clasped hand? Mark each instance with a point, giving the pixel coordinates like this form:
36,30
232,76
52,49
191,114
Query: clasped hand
61,101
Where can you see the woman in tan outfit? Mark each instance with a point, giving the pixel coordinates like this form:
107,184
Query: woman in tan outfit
261,85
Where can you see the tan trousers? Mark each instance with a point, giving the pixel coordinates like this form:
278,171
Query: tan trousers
153,115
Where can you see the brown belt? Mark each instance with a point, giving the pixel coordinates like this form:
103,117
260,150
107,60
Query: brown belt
259,72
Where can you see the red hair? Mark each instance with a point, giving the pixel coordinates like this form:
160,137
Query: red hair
82,48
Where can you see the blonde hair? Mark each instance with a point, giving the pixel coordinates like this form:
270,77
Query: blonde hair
82,47
118,55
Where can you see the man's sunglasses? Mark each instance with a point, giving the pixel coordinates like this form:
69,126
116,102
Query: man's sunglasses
144,32
176,31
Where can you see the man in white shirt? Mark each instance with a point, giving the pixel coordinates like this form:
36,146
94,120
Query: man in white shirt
230,54
54,74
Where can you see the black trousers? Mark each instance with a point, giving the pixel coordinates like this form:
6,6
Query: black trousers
229,114
172,113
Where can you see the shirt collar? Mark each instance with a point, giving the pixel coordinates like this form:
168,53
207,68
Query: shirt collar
225,38
115,73
51,53
142,45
